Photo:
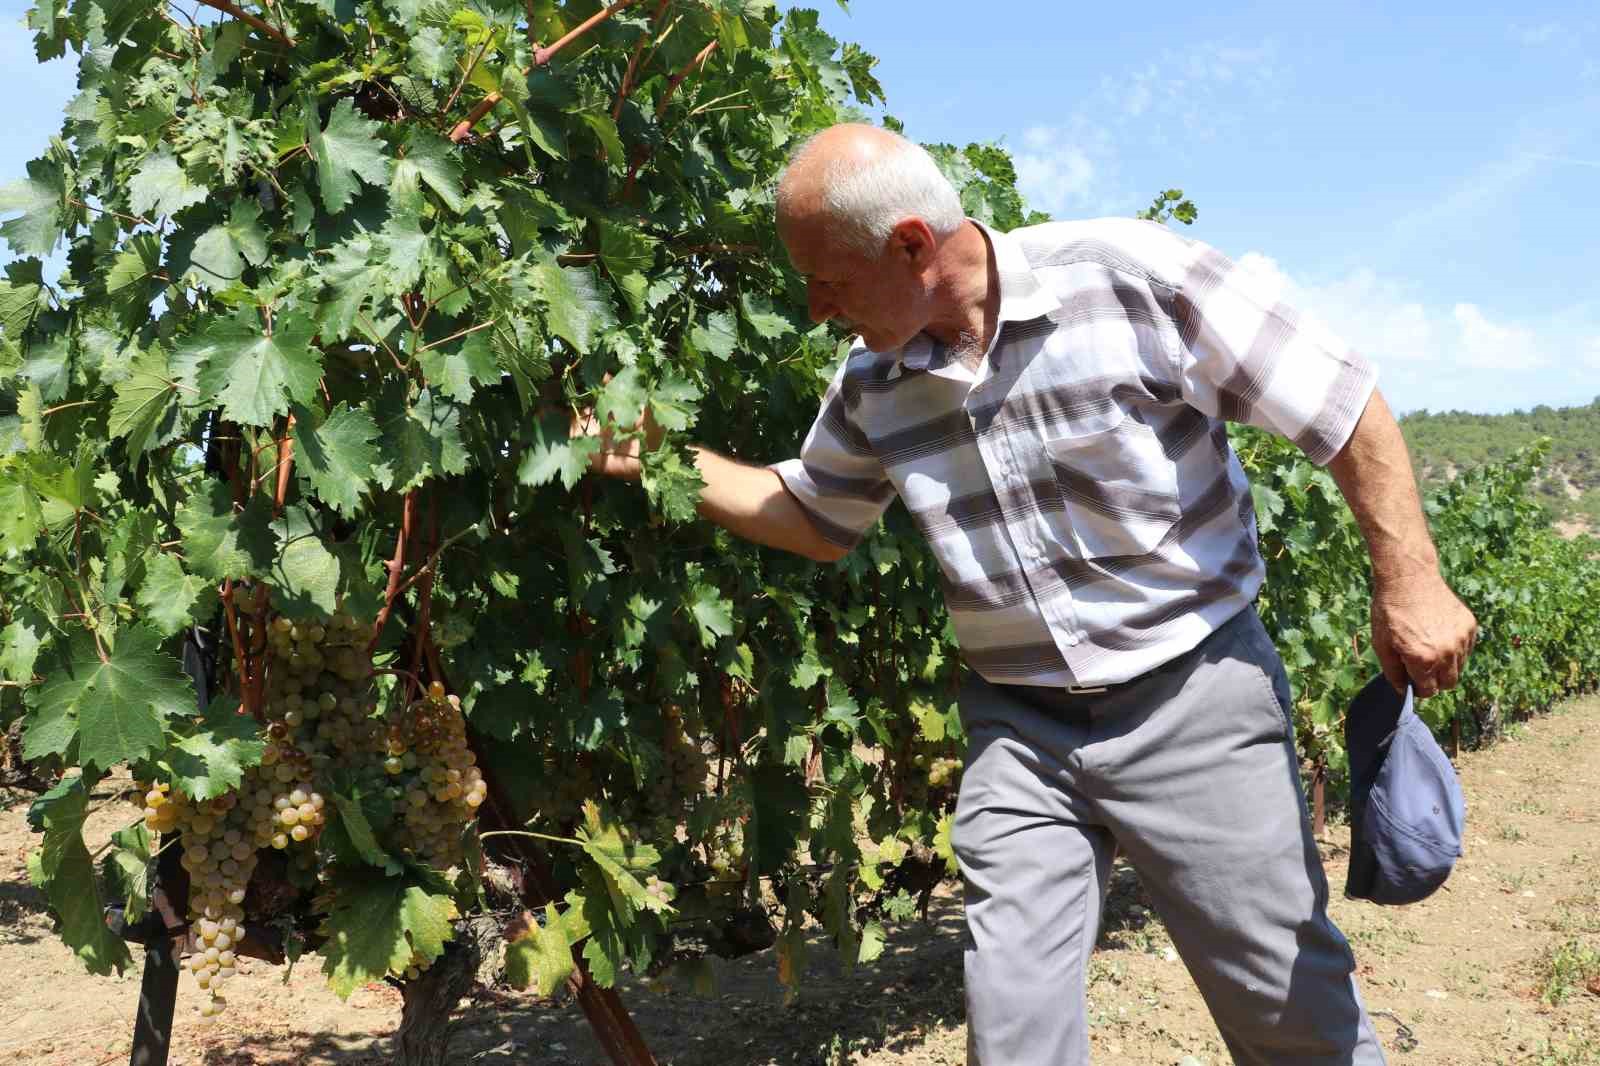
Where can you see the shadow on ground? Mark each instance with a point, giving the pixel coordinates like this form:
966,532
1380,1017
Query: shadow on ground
892,1004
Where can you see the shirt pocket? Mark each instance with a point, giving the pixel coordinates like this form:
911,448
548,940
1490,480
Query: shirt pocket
1119,489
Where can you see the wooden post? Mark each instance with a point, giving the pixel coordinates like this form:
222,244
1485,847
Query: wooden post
1455,735
158,991
169,906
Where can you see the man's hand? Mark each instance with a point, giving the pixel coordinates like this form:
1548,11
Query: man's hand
616,458
1423,633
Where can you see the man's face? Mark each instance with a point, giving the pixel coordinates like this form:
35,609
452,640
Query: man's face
883,298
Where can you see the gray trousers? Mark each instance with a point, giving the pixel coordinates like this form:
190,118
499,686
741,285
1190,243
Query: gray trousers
1191,770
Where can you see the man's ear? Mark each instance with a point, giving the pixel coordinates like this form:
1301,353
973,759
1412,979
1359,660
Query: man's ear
912,242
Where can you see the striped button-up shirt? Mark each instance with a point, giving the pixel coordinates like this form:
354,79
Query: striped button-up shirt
1077,487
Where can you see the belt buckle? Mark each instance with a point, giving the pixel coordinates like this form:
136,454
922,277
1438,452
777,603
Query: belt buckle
1084,690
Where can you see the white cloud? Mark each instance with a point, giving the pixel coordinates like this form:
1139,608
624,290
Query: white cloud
1051,169
1374,315
1495,345
1442,356
1171,101
1535,35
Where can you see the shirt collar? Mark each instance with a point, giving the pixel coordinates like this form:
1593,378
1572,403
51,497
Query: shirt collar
1023,297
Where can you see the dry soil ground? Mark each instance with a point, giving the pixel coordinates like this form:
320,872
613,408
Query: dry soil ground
1501,967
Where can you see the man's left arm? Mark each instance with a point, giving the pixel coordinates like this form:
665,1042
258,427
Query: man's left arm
1420,630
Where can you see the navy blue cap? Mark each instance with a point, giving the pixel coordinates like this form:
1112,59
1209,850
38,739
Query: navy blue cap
1406,807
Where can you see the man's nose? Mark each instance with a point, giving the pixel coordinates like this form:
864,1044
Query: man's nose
820,307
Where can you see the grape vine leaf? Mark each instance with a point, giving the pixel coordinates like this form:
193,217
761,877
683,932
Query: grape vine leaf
219,544
625,250
212,760
426,159
577,310
19,302
171,598
712,614
162,187
337,455
19,647
254,374
145,402
777,801
943,845
553,455
376,924
120,701
306,573
221,252
619,861
420,440
346,149
352,278
454,369
125,869
719,335
672,403
621,401
41,197
358,828
873,940
758,314
21,517
672,484
842,709
67,875
542,956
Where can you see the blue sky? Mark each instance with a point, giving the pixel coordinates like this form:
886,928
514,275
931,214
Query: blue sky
1425,182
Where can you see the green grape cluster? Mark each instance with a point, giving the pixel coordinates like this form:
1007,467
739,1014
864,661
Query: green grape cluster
320,714
944,773
725,856
221,839
557,790
434,774
681,775
928,781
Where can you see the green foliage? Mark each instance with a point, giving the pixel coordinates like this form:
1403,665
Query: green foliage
331,302
1535,595
1447,441
1171,204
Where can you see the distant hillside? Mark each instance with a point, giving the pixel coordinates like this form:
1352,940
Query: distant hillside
1442,444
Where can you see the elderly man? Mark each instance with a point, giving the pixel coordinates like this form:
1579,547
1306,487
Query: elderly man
1050,405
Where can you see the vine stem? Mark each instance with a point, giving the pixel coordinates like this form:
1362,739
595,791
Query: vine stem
530,834
541,57
548,52
424,649
696,64
433,559
241,661
408,514
251,20
472,65
633,64
677,79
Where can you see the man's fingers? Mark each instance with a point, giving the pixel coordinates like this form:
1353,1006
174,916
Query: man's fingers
1393,668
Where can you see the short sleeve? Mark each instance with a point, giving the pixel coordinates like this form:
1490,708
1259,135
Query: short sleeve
837,478
1246,356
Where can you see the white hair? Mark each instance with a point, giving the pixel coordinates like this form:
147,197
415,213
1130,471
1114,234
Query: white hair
867,200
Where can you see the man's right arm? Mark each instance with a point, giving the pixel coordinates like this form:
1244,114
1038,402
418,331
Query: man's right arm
748,501
752,502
